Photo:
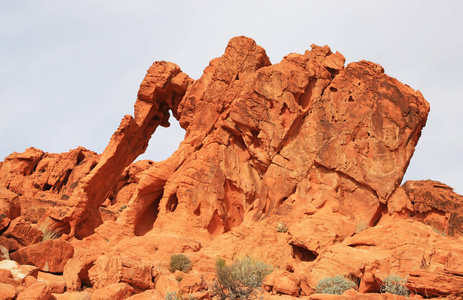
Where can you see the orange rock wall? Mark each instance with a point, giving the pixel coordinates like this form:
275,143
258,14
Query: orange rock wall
306,144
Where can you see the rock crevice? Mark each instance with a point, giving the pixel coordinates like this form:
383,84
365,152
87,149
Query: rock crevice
301,160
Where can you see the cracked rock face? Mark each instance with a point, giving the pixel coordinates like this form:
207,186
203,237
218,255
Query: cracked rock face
306,135
308,145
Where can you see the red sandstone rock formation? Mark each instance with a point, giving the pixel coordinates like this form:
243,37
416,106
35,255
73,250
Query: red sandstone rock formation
308,142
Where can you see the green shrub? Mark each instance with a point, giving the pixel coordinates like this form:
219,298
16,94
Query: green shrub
281,227
334,285
180,262
241,280
395,285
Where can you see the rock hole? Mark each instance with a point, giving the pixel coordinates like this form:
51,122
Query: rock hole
285,116
164,142
304,99
172,203
354,279
65,180
94,163
234,201
83,275
333,89
215,226
303,254
271,105
239,142
351,99
197,211
46,187
80,158
332,71
148,218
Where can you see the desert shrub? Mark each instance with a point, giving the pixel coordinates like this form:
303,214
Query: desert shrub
361,226
334,285
171,296
180,262
241,280
395,285
178,296
281,227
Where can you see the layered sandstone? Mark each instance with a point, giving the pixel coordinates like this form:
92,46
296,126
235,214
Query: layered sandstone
308,142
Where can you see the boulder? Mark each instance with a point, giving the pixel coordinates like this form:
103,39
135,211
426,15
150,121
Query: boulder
49,256
114,269
7,277
282,282
24,232
7,291
13,244
287,283
4,221
191,283
18,271
9,204
399,248
85,295
115,291
16,167
56,283
75,271
36,291
30,280
437,205
438,282
149,294
166,284
4,248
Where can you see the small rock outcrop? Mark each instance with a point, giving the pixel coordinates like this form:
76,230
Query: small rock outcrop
300,162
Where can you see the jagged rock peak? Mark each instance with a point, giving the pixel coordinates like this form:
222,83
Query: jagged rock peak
301,161
259,138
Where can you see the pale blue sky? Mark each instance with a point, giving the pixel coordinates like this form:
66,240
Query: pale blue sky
70,70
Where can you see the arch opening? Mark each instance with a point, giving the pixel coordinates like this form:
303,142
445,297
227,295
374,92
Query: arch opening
164,142
148,218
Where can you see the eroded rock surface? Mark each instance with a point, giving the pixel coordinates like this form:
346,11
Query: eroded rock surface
437,205
300,162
